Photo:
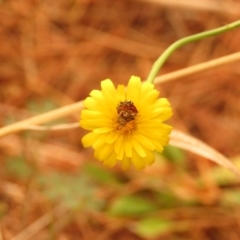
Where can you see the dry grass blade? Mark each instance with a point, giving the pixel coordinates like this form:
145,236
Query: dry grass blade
66,126
189,143
41,223
42,118
198,68
206,5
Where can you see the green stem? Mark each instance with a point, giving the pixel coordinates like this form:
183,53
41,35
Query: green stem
162,59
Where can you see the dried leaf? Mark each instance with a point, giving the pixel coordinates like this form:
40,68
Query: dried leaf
187,142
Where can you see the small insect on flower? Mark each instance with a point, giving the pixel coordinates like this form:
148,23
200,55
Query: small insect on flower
126,112
126,123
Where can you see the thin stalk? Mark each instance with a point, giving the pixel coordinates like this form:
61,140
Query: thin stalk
166,54
42,118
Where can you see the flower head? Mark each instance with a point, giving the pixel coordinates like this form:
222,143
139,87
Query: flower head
126,124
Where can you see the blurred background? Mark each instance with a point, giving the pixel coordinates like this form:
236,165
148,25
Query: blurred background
53,53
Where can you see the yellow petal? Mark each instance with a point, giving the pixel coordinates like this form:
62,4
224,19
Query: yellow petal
109,92
91,124
158,145
158,112
107,85
91,114
161,102
103,130
138,148
104,105
89,139
150,158
138,161
120,94
100,141
126,163
133,89
91,104
97,153
118,144
146,87
145,141
97,96
150,133
128,148
120,154
110,161
166,129
164,140
166,114
104,152
151,97
111,137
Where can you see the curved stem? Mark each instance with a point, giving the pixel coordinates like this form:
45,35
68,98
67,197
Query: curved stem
162,59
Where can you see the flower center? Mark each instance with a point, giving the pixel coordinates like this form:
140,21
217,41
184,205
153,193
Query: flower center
127,113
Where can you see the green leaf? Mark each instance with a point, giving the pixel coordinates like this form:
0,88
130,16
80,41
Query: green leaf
174,154
132,206
152,227
167,199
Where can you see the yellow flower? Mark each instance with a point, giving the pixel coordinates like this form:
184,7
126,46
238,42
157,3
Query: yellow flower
126,123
